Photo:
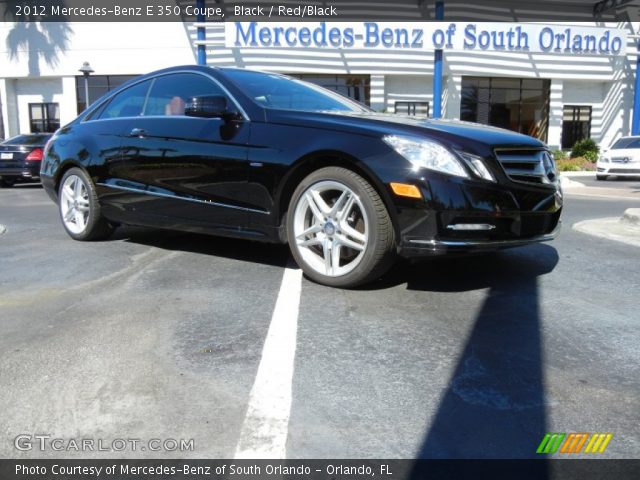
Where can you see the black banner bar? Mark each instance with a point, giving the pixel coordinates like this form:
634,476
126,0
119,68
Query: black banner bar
300,10
542,469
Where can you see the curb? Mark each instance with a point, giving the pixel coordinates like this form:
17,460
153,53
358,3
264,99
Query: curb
596,195
566,182
582,173
631,217
625,229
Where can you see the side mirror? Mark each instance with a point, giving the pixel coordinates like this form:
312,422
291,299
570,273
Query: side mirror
210,106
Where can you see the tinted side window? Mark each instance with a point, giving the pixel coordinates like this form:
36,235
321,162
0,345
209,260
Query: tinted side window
127,103
170,93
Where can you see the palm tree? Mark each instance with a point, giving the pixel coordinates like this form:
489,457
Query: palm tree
39,40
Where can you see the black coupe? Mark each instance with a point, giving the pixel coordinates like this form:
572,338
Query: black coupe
267,157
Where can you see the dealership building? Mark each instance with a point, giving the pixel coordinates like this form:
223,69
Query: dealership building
560,81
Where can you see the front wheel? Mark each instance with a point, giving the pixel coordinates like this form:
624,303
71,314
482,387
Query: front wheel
80,209
601,177
338,228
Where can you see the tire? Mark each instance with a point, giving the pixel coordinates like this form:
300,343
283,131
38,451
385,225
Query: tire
336,214
79,207
7,182
601,177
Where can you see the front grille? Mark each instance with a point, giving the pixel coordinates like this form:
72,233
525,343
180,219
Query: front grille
624,170
526,165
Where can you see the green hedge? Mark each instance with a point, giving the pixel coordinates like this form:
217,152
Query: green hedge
559,155
586,148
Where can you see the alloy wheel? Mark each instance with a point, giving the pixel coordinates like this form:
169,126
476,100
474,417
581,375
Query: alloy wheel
74,204
331,228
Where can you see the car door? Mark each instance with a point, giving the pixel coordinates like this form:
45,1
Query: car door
101,135
187,169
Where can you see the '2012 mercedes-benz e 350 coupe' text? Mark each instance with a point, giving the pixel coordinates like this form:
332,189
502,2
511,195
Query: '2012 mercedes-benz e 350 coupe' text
263,156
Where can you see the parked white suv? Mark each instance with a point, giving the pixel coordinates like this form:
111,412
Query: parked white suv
622,159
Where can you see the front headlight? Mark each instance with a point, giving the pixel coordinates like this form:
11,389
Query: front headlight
477,165
604,159
423,153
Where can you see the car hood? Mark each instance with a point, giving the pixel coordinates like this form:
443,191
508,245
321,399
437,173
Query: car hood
379,124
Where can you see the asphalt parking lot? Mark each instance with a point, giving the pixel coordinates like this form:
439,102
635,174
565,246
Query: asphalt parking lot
163,335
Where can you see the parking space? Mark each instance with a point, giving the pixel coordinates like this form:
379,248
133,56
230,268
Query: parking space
158,333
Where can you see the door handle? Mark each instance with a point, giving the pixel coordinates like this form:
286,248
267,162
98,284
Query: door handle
138,132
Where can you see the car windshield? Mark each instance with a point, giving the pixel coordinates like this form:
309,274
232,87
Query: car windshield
281,92
624,143
27,140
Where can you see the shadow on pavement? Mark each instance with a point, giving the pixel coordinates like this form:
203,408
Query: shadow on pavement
494,403
27,186
243,250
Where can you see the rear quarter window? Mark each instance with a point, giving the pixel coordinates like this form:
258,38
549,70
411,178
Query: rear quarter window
128,103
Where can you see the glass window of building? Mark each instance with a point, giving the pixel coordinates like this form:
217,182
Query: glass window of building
356,87
44,117
517,104
576,124
98,86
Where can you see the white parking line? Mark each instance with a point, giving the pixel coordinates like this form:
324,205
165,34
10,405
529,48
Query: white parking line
266,424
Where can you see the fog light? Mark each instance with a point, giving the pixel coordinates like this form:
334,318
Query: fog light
471,226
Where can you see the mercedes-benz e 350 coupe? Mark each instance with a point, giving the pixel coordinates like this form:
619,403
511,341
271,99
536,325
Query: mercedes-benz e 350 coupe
266,157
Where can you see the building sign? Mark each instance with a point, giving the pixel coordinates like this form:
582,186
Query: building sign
480,36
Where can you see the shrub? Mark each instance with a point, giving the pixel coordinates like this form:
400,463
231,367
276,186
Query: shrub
591,156
575,164
581,148
558,155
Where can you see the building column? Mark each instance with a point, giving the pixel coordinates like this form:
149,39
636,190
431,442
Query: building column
554,134
437,69
201,34
635,121
376,93
9,107
452,97
69,102
3,109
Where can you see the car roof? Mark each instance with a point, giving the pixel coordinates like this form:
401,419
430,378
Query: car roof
39,134
22,136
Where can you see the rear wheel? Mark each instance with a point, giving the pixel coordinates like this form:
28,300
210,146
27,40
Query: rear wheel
338,228
80,209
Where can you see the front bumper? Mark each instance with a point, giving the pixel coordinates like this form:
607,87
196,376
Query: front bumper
620,169
418,248
497,216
